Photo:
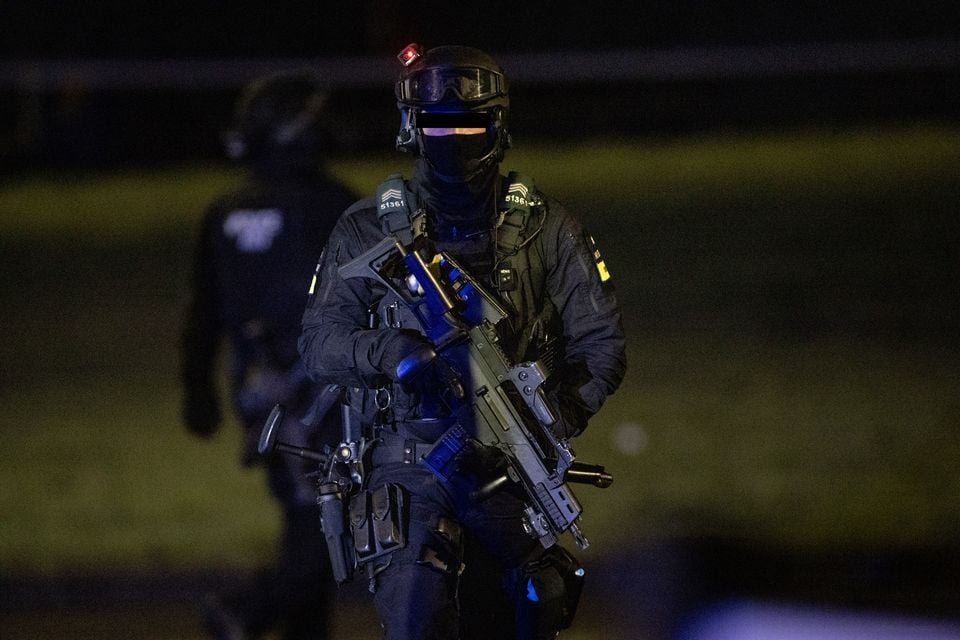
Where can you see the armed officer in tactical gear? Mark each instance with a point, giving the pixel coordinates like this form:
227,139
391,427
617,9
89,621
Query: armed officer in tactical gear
545,269
254,261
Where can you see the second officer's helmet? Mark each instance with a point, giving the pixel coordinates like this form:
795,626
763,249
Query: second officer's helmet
278,120
452,86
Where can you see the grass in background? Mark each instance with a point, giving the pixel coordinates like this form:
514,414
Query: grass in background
756,432
814,446
659,175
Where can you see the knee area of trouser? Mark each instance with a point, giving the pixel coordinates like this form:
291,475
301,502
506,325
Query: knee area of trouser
547,591
416,592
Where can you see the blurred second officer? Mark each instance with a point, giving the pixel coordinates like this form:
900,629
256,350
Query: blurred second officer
257,249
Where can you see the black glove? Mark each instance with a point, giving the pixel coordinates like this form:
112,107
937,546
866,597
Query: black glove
201,413
572,418
405,355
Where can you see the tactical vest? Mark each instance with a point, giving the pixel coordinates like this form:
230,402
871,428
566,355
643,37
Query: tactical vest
518,275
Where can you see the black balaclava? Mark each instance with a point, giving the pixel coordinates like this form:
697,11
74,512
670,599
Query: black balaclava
458,192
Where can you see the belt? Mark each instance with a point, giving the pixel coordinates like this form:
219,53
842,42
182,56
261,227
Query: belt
424,429
392,450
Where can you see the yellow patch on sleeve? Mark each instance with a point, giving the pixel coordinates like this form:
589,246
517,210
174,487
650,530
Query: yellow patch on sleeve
313,284
602,268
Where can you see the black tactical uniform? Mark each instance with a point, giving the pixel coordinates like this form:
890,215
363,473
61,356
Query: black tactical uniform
549,275
255,259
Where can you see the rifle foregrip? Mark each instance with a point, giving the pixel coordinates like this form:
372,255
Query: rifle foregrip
593,474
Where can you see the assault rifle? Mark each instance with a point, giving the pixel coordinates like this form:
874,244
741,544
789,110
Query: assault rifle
510,406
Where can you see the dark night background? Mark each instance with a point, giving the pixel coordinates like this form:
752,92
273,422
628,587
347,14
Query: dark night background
377,27
125,123
94,89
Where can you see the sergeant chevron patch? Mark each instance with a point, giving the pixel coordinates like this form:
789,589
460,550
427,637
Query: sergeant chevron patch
517,193
391,199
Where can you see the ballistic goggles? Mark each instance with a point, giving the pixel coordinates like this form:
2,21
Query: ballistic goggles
459,84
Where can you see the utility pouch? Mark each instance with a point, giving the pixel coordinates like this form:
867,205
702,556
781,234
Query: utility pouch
359,517
387,527
378,518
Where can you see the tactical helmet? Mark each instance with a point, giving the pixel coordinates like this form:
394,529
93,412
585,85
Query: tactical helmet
276,115
452,86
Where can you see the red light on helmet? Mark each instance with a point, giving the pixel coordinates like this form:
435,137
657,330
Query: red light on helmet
410,54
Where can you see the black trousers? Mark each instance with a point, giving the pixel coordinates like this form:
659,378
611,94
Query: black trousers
422,595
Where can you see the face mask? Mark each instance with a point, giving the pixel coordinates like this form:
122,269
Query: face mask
455,154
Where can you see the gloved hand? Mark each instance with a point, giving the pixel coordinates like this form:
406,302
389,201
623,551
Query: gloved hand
201,413
572,418
405,354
